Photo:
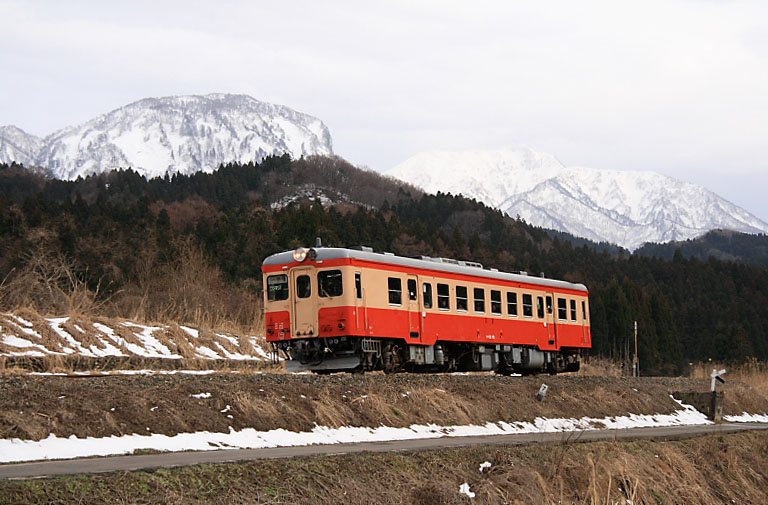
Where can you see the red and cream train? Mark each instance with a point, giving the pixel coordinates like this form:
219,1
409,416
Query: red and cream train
336,309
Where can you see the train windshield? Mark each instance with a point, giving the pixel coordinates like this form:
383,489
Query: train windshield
277,287
329,283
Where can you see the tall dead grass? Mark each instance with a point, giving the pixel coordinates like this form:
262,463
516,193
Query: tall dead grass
597,366
190,290
186,290
50,283
752,371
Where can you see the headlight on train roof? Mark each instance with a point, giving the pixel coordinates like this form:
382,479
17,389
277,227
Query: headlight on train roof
300,254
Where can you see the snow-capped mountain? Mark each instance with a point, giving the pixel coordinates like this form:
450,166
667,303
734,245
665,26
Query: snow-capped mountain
18,145
624,208
178,134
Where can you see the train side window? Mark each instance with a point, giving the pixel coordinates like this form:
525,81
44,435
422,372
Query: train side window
573,310
527,305
495,302
412,293
395,291
329,283
549,305
540,307
277,287
512,304
479,295
358,285
427,287
584,309
443,297
303,286
461,298
562,312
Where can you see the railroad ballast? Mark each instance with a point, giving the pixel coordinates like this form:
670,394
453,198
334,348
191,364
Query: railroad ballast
352,309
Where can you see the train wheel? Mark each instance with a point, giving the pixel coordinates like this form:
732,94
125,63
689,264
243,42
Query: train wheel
391,358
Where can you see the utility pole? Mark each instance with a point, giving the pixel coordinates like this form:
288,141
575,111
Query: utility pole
636,367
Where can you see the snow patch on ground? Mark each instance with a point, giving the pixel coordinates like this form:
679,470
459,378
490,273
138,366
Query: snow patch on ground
63,448
747,418
89,373
153,347
123,339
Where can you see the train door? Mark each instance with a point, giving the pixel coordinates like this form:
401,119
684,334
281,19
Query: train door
551,320
304,306
414,309
360,310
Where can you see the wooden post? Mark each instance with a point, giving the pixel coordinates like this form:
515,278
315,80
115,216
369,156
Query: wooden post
636,368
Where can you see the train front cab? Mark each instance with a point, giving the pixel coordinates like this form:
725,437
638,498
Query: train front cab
314,312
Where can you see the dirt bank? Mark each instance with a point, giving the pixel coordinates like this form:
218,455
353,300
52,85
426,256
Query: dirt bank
32,407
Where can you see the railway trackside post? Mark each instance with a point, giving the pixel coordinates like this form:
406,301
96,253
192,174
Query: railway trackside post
542,392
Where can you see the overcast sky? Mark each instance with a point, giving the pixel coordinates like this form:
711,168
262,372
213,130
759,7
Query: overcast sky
677,87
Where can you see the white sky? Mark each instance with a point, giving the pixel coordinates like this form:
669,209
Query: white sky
674,86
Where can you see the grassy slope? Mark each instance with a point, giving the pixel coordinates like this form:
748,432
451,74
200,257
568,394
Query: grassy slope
34,407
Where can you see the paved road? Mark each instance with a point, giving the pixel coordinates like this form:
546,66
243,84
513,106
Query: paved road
168,460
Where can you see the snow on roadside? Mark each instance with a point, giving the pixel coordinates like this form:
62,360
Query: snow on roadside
747,418
14,450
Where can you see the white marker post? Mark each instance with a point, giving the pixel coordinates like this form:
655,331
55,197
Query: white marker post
716,377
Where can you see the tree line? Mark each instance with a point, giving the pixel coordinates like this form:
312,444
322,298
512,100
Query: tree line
120,232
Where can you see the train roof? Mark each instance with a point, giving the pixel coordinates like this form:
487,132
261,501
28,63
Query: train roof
425,262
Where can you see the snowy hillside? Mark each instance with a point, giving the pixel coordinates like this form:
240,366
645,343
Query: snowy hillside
180,134
17,145
37,336
625,208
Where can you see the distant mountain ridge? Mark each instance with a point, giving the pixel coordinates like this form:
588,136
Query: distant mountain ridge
177,134
625,208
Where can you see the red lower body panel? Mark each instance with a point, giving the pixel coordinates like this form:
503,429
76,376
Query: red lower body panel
428,327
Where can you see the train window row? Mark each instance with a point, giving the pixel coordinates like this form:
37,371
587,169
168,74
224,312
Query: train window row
565,307
330,284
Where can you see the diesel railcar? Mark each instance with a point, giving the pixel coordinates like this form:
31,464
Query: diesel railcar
352,309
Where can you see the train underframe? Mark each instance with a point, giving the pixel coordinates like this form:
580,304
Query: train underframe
362,354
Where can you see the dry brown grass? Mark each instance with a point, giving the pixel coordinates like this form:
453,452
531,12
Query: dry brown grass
298,402
751,371
50,283
600,367
187,290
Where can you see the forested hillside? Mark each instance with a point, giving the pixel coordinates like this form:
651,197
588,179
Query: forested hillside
191,247
722,244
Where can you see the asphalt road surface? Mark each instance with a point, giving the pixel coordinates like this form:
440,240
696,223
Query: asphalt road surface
175,459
